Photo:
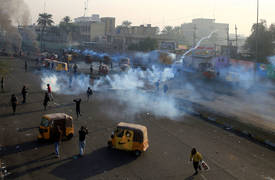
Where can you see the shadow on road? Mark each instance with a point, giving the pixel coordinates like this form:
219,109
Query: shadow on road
97,162
7,150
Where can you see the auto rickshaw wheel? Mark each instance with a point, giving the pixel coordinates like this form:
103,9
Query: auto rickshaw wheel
137,153
70,136
109,144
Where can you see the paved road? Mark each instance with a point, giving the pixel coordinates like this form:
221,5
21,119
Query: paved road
229,156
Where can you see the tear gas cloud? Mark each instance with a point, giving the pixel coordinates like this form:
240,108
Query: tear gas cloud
64,84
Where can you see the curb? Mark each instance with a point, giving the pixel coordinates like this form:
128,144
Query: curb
238,127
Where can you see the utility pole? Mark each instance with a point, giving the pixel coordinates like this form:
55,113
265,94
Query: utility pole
257,25
236,36
194,35
194,40
228,48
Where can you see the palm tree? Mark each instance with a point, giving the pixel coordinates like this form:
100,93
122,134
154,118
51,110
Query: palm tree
66,19
44,20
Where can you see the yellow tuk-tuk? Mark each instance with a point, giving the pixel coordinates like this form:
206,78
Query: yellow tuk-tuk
55,65
50,121
129,137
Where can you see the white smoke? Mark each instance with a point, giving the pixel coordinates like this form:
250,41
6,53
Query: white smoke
62,83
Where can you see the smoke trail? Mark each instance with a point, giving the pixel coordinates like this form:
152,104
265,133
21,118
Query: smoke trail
198,44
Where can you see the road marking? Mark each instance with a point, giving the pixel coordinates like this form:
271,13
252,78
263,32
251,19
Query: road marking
203,177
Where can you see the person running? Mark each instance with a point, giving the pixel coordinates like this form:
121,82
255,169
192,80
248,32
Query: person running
57,136
24,94
77,107
13,103
49,88
89,93
46,101
197,158
82,143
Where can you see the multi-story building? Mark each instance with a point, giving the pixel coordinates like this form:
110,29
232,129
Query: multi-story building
201,27
90,28
110,25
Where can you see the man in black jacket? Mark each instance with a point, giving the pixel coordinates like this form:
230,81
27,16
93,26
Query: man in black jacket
77,107
13,102
24,94
82,136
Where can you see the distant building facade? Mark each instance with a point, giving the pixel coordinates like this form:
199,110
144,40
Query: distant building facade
90,28
202,27
110,25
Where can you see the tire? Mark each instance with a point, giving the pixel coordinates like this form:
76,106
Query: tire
70,136
137,153
110,145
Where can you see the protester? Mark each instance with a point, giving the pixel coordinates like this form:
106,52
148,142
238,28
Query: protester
197,158
75,68
57,136
49,88
82,143
46,101
165,88
89,93
26,66
157,85
2,83
24,94
70,81
13,102
77,107
91,69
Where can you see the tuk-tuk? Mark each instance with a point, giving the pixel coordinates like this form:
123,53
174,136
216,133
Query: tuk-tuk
50,121
55,65
129,137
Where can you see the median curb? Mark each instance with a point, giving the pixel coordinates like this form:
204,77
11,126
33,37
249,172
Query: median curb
233,124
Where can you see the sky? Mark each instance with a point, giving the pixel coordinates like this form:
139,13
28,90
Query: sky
161,12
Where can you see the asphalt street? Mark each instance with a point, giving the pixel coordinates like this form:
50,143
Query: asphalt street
229,156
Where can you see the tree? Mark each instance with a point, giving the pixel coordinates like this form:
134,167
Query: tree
126,23
44,20
167,30
263,39
66,19
147,44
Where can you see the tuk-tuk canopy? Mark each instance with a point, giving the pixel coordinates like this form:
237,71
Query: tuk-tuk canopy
56,116
136,128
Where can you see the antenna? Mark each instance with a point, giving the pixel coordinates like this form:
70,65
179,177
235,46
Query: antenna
45,6
85,6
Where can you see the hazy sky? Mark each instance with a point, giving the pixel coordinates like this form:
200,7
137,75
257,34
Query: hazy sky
161,12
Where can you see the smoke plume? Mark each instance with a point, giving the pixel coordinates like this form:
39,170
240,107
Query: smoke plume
12,13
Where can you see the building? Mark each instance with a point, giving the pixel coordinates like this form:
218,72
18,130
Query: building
90,28
142,30
110,25
201,27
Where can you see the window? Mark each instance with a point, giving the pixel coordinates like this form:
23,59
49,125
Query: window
119,132
44,122
128,134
